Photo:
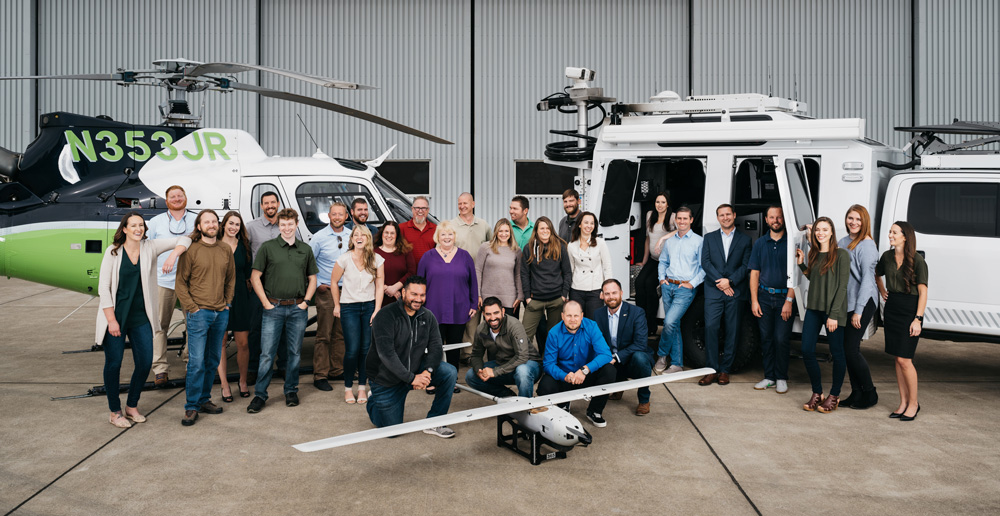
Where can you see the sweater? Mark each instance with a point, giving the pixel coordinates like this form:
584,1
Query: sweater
499,274
862,286
206,277
401,345
828,292
546,279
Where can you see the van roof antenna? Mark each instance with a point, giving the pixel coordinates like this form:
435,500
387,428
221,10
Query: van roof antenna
307,132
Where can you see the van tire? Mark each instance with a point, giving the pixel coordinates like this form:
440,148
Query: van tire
693,333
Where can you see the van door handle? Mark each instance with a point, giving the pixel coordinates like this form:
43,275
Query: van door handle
608,239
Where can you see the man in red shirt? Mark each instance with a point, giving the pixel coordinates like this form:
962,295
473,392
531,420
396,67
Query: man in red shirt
419,231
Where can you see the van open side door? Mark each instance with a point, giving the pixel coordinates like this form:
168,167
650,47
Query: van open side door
797,206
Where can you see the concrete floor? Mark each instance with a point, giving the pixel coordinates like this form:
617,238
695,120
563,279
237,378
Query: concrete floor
702,450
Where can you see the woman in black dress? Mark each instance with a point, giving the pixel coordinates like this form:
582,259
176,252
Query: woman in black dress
905,295
235,234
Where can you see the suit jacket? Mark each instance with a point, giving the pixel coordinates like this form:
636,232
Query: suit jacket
716,266
632,330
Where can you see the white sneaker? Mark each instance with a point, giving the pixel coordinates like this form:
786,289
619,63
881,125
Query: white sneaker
441,431
782,386
764,384
673,369
660,365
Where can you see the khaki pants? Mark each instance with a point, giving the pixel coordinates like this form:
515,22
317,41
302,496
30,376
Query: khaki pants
470,333
533,316
160,328
328,352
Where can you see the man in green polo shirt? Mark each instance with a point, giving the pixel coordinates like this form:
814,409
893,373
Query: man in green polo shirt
288,268
520,223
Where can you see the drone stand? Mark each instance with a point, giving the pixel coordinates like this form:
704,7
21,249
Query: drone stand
534,439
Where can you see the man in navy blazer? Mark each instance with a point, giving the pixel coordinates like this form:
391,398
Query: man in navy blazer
725,255
630,354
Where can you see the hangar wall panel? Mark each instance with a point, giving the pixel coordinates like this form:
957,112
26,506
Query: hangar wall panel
849,58
16,97
416,53
99,36
521,51
958,45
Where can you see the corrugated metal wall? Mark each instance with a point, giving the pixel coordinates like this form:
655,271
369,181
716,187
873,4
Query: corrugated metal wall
522,49
958,48
16,97
849,58
416,53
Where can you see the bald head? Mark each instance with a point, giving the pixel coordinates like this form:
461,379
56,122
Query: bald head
572,316
466,205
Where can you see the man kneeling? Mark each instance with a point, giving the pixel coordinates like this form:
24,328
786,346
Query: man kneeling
511,359
576,356
406,354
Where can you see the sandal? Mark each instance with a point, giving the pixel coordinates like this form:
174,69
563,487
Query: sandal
349,396
814,401
227,399
136,418
117,419
362,395
829,404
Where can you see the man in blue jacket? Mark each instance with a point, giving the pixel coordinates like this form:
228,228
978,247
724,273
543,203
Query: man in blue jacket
576,356
624,328
724,257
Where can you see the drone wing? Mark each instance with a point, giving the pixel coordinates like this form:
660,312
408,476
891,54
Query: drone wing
508,407
309,101
204,68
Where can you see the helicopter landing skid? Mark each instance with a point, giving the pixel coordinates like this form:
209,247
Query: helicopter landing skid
521,434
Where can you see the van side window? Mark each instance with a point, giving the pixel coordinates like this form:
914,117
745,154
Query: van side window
314,200
798,185
956,209
619,184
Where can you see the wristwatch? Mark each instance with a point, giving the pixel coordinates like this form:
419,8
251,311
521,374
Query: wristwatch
920,318
789,299
585,370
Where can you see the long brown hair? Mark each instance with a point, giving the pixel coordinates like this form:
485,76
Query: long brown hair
495,240
196,234
536,251
866,225
241,236
368,252
119,239
814,246
653,215
402,246
907,270
578,233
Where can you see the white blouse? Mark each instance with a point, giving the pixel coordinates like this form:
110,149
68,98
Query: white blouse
591,266
359,285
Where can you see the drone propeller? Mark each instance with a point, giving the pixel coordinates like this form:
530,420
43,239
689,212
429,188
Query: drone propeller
230,68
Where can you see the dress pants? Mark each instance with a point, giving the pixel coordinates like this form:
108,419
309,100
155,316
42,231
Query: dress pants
719,310
329,347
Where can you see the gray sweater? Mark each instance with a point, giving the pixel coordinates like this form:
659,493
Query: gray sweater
861,286
546,279
499,274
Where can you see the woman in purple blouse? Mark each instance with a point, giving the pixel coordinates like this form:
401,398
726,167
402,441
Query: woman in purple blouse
452,291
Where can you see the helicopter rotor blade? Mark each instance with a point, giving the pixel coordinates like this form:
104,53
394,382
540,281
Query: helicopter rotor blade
77,77
309,101
240,67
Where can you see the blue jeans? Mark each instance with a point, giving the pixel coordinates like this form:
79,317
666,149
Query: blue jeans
141,338
205,330
524,377
385,405
814,321
718,310
775,333
676,300
355,320
292,320
637,365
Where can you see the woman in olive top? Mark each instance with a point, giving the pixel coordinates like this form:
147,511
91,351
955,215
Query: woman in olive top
828,272
127,290
905,295
862,301
498,268
235,234
545,278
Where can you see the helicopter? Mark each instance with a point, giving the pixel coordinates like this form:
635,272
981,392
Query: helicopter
62,198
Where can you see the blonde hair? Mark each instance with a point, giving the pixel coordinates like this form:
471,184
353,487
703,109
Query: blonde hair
368,252
444,226
495,241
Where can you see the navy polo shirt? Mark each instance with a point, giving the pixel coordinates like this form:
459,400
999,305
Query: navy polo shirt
770,257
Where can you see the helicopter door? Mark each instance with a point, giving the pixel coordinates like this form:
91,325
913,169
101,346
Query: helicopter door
796,203
251,191
314,196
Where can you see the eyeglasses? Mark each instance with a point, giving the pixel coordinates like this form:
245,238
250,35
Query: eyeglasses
419,208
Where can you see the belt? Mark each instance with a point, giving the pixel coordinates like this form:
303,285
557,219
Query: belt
675,282
774,290
286,302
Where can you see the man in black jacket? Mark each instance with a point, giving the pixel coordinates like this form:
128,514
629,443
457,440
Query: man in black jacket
406,354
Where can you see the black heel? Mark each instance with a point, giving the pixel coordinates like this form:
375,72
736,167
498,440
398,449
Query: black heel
245,394
897,415
910,418
227,399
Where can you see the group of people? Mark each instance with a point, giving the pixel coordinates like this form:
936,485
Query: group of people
389,298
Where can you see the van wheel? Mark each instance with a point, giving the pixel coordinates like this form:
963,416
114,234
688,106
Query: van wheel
693,332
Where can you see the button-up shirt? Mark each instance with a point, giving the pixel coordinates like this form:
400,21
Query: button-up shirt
770,257
260,230
422,240
681,259
286,268
727,240
567,352
327,246
613,326
165,226
471,236
521,236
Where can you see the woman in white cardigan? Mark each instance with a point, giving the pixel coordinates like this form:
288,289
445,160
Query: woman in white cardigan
591,262
127,289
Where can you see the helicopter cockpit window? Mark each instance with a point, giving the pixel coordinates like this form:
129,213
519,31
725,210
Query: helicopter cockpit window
315,199
259,190
399,203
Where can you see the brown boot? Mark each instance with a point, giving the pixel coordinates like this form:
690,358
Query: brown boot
829,404
642,409
814,401
708,379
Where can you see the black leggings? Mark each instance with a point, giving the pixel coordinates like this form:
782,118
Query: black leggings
857,367
452,334
645,292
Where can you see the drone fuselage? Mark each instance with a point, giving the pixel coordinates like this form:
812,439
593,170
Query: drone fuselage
554,424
